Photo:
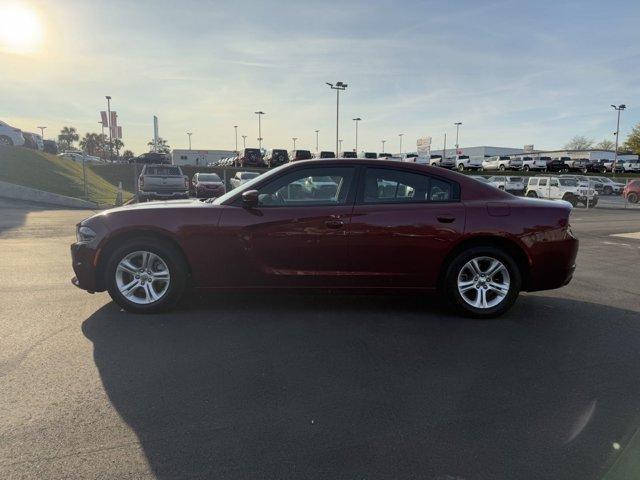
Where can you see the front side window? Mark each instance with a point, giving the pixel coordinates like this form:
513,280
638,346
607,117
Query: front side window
308,187
553,183
395,186
543,182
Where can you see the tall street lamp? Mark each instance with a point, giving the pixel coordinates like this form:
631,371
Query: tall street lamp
235,127
401,135
244,142
108,97
317,136
259,113
457,124
189,134
357,119
383,142
337,87
339,148
42,131
619,108
294,142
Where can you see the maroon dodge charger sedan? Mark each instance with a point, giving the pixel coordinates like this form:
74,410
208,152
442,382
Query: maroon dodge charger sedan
337,224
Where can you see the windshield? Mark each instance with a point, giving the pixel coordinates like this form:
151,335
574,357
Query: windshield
208,177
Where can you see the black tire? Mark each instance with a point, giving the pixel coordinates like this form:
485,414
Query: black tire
169,254
608,190
454,269
632,197
525,168
461,167
5,141
532,194
593,203
502,168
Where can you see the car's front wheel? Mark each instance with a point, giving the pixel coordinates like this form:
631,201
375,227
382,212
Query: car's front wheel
483,282
5,141
146,275
632,197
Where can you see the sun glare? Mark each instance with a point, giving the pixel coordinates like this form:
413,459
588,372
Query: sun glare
20,29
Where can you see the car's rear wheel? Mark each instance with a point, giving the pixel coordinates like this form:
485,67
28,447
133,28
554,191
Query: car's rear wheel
502,168
146,275
632,197
461,167
5,141
525,168
532,194
483,282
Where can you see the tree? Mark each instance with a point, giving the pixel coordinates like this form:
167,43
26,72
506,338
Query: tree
117,145
579,142
66,138
162,147
127,154
94,143
606,144
632,143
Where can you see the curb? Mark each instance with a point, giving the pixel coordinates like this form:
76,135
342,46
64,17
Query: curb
20,192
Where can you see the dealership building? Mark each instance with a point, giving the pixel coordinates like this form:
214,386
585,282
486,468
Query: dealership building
486,151
199,158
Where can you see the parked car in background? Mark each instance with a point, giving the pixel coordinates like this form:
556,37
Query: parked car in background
435,160
276,157
10,136
502,163
162,182
557,165
514,185
152,158
464,162
349,155
80,157
627,166
561,188
609,187
447,162
577,164
632,191
325,154
50,146
356,234
207,185
534,164
250,157
590,182
410,157
370,155
240,178
596,166
297,155
33,141
385,155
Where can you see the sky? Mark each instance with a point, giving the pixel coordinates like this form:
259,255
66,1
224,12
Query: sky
512,72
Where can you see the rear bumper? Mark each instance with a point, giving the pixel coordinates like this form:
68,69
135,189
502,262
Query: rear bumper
172,194
553,264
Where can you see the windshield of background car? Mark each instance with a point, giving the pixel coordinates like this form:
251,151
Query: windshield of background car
249,185
249,175
208,177
568,182
162,171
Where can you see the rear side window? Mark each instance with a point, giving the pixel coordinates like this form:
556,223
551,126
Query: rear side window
383,185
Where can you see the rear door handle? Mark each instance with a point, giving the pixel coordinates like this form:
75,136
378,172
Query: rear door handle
334,224
446,219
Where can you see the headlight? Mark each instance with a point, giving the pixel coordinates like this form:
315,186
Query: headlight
85,234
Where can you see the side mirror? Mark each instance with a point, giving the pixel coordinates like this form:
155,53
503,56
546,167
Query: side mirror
250,198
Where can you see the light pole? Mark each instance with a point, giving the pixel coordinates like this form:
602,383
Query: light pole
339,148
383,142
189,133
294,142
337,87
259,113
401,135
317,136
457,124
42,131
357,119
444,150
108,97
236,129
619,108
244,142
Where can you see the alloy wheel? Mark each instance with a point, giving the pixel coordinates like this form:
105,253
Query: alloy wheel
142,277
484,282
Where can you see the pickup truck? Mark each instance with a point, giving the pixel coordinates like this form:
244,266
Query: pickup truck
162,182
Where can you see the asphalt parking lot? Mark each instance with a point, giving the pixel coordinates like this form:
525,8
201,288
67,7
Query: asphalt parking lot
317,386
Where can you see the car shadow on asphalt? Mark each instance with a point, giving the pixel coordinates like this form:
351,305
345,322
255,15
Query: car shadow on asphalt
364,386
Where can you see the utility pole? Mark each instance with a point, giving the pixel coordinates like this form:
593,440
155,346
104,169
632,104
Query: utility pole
259,113
189,133
401,135
444,150
619,108
42,131
294,142
357,119
236,129
244,142
317,136
340,148
337,87
457,124
108,97
383,141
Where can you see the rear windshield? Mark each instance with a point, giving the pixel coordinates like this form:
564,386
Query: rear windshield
163,171
349,155
515,179
372,155
303,154
327,155
251,153
208,177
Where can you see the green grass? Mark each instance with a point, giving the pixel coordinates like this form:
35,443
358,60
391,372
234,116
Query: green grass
54,174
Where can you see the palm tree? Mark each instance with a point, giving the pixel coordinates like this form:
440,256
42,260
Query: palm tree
93,143
66,138
162,145
127,154
117,145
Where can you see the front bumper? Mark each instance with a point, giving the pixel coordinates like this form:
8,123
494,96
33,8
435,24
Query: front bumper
83,262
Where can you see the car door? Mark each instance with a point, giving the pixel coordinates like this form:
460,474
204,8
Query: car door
554,188
402,226
543,188
297,234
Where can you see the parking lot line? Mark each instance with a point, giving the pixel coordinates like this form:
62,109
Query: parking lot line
632,235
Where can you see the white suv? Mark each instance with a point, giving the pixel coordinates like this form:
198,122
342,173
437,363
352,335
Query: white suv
464,162
514,185
10,136
530,163
631,166
502,163
561,188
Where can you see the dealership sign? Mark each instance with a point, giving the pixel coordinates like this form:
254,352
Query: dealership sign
424,146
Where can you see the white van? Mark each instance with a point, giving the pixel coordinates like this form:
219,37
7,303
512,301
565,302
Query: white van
561,188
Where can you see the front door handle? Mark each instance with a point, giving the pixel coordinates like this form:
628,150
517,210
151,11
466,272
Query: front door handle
446,219
334,224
